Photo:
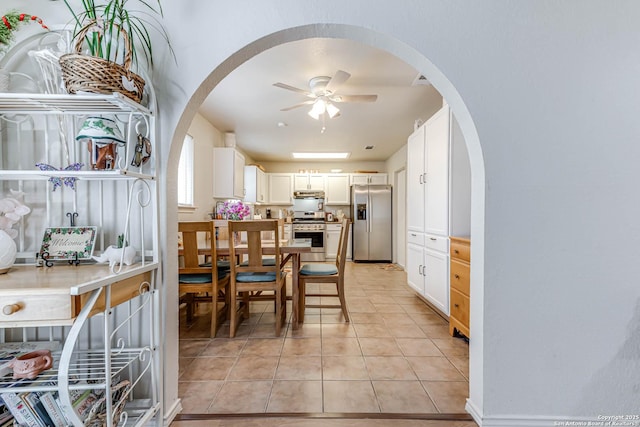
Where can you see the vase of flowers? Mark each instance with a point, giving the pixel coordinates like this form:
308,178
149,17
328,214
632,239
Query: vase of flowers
12,209
234,210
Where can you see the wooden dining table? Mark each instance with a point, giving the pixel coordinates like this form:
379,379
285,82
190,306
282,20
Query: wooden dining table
291,250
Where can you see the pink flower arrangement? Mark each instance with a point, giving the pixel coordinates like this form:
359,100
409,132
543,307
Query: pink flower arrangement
234,210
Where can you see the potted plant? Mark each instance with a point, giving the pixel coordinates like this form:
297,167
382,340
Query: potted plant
110,37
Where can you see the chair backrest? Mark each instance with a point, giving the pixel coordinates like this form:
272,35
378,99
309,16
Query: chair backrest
341,257
255,249
197,242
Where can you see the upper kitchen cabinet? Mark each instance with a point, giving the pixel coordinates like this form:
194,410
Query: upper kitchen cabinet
368,179
228,170
337,189
308,181
280,188
255,181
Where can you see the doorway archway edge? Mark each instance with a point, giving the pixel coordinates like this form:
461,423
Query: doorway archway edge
450,94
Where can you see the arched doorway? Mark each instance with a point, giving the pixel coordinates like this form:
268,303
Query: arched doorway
442,84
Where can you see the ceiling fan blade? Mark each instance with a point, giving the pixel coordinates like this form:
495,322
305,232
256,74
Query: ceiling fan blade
337,80
294,89
354,98
302,104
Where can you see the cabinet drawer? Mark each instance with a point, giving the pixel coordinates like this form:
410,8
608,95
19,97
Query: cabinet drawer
460,276
415,238
460,250
437,243
34,308
459,307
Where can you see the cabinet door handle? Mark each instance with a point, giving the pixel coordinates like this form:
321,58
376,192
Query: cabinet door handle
11,308
414,234
456,305
433,238
420,179
456,276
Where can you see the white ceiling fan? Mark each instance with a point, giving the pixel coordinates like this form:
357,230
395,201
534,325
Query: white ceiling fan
323,95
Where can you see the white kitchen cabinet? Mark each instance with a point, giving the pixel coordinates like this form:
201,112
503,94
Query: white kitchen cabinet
331,241
280,188
308,181
337,189
288,227
228,173
415,188
368,179
415,267
255,181
438,185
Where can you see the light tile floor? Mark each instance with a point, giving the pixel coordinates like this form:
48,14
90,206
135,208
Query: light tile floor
395,356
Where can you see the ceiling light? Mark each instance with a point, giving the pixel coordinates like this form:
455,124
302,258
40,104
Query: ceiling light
332,110
316,156
336,170
322,106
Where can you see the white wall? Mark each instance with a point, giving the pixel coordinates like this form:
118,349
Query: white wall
546,96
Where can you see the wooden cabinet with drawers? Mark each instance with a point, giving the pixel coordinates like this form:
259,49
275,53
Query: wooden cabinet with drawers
460,250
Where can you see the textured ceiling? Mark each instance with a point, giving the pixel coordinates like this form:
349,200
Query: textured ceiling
247,103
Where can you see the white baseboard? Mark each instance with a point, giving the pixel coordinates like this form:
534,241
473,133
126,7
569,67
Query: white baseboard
531,420
170,413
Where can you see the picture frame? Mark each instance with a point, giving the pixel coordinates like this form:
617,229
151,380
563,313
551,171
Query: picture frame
68,243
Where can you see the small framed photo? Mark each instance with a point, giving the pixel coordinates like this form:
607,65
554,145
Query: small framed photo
68,243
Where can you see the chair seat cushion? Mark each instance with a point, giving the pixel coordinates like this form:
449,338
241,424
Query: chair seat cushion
200,277
222,265
265,262
257,277
318,270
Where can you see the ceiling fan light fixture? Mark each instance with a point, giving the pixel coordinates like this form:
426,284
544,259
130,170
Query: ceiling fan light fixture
318,109
332,110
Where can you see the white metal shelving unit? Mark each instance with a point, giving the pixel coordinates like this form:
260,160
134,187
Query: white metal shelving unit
107,320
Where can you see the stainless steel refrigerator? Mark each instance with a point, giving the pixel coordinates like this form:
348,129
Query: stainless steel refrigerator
371,214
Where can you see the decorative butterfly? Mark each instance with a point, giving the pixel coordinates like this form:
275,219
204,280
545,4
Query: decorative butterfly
57,181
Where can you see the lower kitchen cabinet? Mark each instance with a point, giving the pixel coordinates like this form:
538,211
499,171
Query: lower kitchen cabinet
460,286
331,241
428,269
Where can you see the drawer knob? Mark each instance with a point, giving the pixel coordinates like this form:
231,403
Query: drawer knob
433,238
456,305
456,251
11,308
456,276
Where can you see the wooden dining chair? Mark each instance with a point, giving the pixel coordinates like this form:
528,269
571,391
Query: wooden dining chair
327,274
196,278
255,276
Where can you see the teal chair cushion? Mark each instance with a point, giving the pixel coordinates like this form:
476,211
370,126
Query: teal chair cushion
200,277
265,262
318,270
222,265
257,277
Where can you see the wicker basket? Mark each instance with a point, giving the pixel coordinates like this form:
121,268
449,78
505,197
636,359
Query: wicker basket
86,73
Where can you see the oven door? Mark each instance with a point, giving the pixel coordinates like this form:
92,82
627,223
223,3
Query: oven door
317,244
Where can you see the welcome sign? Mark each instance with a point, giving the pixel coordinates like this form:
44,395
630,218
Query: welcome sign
68,242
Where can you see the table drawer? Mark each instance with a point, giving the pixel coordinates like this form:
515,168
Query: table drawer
460,276
460,250
437,243
33,308
459,307
415,238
